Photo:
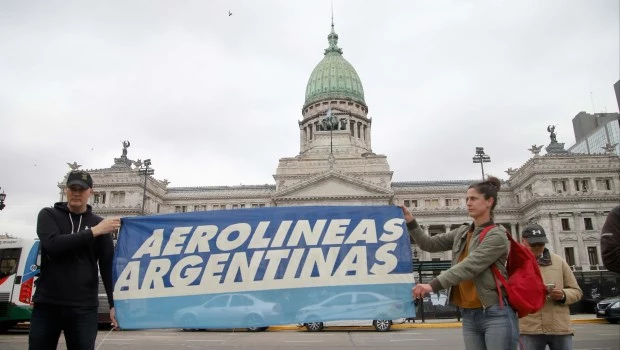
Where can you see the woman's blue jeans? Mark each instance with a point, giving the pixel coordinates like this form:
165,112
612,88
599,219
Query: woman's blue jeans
493,328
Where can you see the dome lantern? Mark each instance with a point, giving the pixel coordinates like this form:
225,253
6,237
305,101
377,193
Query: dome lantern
334,77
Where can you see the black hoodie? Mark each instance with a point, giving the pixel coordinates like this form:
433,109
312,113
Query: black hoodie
69,258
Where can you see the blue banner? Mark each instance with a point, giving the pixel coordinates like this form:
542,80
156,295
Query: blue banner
263,266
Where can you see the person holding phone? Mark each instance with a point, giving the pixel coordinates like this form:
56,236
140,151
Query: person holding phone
551,325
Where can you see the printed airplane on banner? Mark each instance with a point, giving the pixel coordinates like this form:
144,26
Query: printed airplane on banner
263,266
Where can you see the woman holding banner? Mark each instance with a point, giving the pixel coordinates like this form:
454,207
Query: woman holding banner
486,325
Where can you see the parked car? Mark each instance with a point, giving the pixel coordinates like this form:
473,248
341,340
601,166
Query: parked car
350,305
609,309
231,310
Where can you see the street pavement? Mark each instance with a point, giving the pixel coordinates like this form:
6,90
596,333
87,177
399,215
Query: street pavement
591,333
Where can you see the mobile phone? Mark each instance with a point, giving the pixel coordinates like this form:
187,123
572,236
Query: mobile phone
550,285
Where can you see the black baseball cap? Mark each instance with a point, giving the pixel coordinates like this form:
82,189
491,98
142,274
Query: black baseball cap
80,178
534,233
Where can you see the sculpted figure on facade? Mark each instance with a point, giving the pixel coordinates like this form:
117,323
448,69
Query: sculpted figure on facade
609,148
126,145
552,134
330,122
535,149
137,163
74,165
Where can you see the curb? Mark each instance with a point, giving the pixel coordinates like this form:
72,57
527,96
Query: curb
428,325
411,325
588,320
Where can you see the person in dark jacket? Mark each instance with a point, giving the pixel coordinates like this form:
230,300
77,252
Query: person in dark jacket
610,240
75,245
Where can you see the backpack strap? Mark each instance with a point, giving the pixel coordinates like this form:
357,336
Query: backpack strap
484,232
497,276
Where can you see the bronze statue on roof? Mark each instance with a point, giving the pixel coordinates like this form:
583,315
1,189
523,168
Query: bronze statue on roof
126,145
551,130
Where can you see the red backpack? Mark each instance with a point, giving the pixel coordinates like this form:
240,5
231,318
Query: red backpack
525,287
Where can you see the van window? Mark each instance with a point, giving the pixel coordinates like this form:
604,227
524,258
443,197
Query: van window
9,258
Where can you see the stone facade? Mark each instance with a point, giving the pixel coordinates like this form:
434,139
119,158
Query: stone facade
570,195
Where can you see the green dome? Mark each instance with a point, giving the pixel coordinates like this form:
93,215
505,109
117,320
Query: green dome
334,77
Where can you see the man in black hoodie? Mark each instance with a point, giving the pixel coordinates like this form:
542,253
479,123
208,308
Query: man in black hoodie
75,244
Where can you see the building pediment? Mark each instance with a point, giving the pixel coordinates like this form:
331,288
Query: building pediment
333,184
568,238
591,237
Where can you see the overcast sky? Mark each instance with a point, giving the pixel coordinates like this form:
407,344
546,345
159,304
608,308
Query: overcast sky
214,99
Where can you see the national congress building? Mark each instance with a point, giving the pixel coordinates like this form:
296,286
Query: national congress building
568,193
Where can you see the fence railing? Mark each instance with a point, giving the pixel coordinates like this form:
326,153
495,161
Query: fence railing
595,284
436,305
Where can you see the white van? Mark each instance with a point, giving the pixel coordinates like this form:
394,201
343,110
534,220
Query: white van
19,267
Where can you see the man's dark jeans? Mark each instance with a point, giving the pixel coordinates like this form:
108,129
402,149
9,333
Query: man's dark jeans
79,324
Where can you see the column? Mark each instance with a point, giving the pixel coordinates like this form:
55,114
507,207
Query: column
554,234
425,256
413,248
303,137
599,221
582,256
447,254
514,230
517,231
426,229
368,141
508,226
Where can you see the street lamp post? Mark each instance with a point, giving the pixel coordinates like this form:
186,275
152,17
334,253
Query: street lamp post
146,171
2,198
481,158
